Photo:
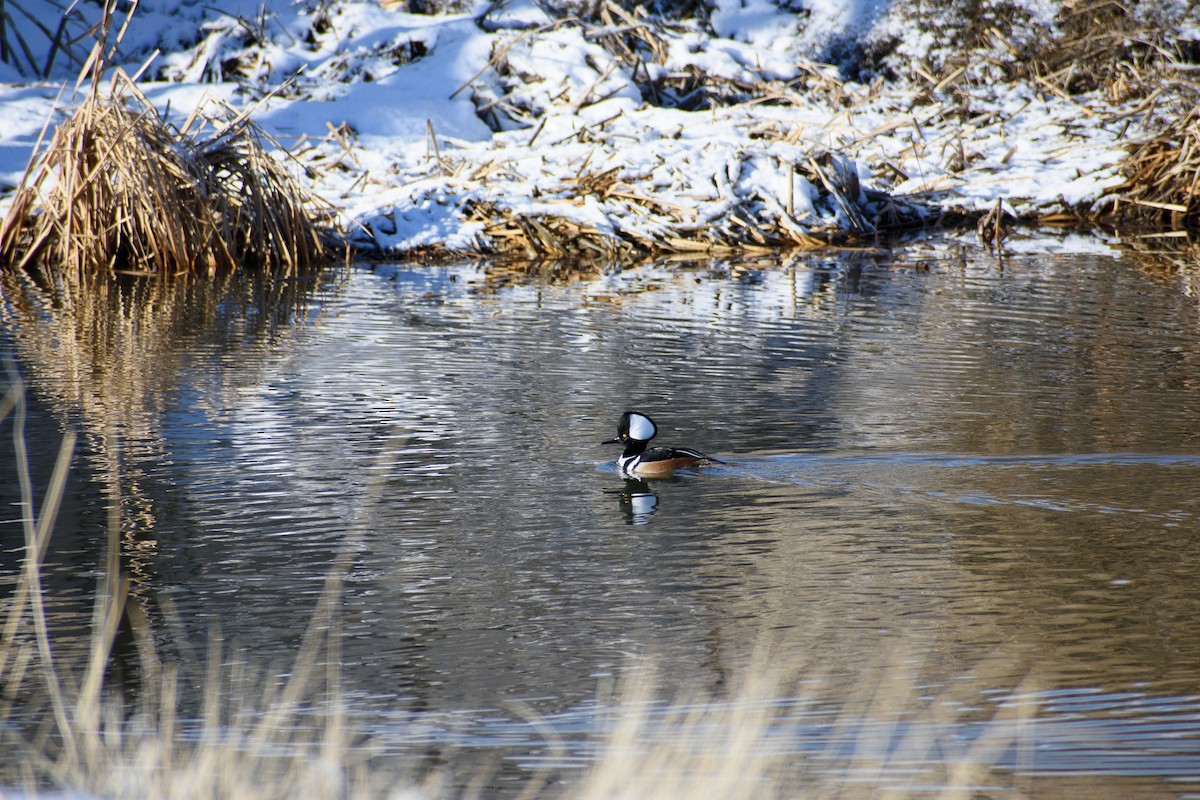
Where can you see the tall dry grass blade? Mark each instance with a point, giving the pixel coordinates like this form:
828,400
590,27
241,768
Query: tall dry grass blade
88,705
111,596
16,607
36,540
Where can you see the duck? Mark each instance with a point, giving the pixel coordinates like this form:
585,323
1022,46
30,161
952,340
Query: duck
635,430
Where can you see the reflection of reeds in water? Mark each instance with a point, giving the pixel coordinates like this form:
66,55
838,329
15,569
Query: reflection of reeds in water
117,348
107,355
184,730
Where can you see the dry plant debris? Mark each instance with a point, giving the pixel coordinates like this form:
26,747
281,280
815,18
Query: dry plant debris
119,189
1163,176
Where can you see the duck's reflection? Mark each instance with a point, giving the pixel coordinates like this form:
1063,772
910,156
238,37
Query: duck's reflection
638,501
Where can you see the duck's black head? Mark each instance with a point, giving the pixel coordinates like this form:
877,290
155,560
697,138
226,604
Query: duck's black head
634,430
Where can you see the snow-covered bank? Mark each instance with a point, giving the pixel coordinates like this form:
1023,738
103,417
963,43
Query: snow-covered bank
552,128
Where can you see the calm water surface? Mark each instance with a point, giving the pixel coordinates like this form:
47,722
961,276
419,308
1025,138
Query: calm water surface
981,473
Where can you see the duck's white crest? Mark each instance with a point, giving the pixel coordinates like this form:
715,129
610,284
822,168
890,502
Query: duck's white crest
641,427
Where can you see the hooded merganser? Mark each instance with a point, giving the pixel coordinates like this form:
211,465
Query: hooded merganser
635,432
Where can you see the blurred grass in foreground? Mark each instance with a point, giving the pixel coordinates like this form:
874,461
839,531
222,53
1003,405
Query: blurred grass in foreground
71,725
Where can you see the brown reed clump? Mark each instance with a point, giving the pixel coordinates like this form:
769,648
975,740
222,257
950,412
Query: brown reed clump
120,189
1162,177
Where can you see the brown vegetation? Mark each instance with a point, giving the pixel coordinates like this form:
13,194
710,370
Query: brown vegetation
1122,49
119,189
1163,177
745,230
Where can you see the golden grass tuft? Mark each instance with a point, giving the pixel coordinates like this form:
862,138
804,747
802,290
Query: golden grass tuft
882,741
119,189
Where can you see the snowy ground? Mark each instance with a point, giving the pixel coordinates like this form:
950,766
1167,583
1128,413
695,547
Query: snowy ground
625,131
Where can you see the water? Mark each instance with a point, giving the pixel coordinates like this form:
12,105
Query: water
976,472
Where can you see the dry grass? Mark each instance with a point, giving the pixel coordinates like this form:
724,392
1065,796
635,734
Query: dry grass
1134,55
119,189
1126,50
66,37
211,726
96,198
881,741
758,225
1162,185
217,728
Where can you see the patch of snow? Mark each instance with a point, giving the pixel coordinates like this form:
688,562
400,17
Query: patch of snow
409,119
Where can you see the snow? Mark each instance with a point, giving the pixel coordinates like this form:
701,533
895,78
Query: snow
408,120
758,22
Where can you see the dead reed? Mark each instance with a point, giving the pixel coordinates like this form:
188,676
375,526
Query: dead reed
28,27
1127,50
1162,177
119,189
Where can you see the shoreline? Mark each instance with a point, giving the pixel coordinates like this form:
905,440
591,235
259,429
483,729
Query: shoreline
624,135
